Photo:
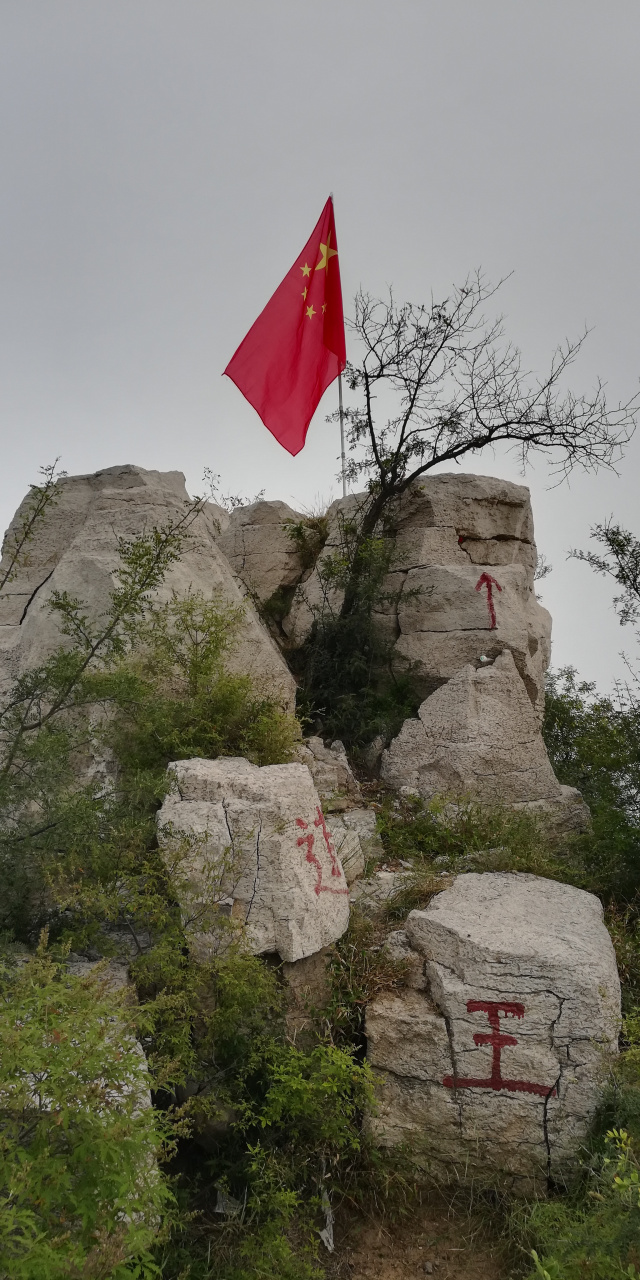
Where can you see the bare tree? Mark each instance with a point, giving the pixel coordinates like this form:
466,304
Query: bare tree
459,388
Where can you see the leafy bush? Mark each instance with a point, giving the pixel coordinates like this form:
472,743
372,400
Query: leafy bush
177,701
436,836
594,744
286,1123
81,1195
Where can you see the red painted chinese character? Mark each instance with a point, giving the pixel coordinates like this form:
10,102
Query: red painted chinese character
309,841
498,1042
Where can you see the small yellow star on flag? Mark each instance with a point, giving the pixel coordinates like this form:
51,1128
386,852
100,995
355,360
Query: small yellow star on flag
305,292
306,269
310,311
324,307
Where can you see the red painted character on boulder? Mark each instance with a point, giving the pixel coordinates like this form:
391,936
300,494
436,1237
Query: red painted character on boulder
498,1041
309,841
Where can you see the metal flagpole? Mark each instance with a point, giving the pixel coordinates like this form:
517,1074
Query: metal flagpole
342,454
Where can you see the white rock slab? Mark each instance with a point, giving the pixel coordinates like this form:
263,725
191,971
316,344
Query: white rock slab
329,768
256,837
259,548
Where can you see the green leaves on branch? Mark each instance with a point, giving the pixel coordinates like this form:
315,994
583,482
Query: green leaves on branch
177,700
80,1191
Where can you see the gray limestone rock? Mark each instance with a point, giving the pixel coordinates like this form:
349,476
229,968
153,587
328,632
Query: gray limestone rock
75,549
497,1069
347,846
313,597
255,840
372,895
259,548
329,768
477,736
399,948
357,840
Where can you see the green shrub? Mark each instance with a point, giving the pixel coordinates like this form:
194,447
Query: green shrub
177,701
81,1195
598,1238
437,836
594,745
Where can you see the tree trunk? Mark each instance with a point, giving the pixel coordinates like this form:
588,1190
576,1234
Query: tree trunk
367,529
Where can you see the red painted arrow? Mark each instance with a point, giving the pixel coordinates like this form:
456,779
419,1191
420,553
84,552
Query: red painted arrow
485,580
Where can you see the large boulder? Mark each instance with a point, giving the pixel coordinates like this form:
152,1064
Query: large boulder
476,736
258,545
256,841
75,549
493,1059
461,580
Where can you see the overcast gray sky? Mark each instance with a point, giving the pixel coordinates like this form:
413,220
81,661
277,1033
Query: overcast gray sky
164,161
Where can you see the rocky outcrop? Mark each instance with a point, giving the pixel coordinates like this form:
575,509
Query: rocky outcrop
478,737
260,549
461,581
494,1057
254,841
75,549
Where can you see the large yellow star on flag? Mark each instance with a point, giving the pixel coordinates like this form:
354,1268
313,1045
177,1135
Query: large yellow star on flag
326,253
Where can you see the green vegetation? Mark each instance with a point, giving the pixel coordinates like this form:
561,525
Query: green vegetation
79,1142
594,744
349,689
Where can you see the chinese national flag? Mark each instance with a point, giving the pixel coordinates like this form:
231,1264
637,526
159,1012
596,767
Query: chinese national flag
296,346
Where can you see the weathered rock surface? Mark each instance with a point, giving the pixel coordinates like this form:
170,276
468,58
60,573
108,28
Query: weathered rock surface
329,768
347,845
476,736
312,596
566,814
357,840
399,948
75,550
461,577
256,839
497,1068
260,550
372,895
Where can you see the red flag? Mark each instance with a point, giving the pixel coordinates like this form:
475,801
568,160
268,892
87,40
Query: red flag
296,347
